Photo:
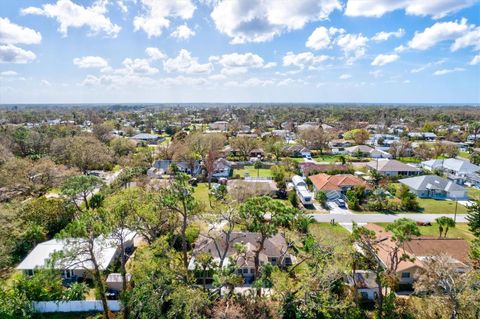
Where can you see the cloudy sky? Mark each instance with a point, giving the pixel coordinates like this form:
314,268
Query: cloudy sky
239,51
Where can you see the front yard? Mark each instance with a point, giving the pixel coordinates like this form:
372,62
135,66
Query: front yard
473,193
460,231
433,206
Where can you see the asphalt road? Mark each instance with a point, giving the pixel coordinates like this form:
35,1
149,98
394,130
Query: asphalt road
380,218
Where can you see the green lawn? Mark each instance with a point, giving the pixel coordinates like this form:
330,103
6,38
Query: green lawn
432,206
326,158
328,233
473,193
263,172
200,192
464,154
460,231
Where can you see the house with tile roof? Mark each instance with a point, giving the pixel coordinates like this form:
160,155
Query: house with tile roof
336,185
419,249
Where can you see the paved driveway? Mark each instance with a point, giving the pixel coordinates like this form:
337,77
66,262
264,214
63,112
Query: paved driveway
380,218
335,209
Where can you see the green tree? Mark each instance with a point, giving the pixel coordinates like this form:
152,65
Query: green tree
85,239
264,215
321,197
81,186
474,218
444,224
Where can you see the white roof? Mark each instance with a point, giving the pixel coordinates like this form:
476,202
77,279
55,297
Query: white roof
298,181
105,250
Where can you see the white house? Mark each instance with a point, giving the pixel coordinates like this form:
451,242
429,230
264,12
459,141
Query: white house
433,186
106,251
389,167
458,170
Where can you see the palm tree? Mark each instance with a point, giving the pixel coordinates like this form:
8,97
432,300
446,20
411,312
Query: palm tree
444,224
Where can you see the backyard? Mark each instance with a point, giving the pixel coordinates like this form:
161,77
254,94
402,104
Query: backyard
253,172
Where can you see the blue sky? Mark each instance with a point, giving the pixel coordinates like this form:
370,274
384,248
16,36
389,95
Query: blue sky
84,51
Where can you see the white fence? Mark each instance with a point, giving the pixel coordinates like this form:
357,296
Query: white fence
75,306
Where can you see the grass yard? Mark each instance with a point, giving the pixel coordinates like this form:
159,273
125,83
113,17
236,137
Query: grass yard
329,234
263,172
460,231
200,192
326,158
464,154
432,206
473,193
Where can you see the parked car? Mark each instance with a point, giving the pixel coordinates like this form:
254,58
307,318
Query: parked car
341,203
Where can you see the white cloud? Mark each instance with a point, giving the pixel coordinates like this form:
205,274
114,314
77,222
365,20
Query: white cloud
383,59
290,82
470,38
12,54
233,71
401,48
447,71
139,66
235,60
262,20
11,33
435,8
270,65
155,54
116,81
185,63
183,32
71,15
384,36
90,62
353,45
9,73
475,60
122,6
45,83
419,69
157,15
376,74
303,59
345,77
321,37
463,34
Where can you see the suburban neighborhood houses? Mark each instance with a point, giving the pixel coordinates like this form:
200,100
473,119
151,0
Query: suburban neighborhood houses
214,209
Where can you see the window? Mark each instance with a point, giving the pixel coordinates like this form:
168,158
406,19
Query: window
67,273
364,295
288,261
28,272
273,260
405,275
375,295
245,270
252,271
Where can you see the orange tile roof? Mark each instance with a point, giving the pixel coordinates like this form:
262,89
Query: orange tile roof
418,247
336,182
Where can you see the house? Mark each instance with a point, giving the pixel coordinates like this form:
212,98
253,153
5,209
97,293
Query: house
365,282
367,151
433,186
257,152
310,168
338,145
162,167
336,186
297,151
219,126
222,168
389,167
115,281
148,138
275,251
305,196
458,170
427,136
106,252
419,249
359,150
384,139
